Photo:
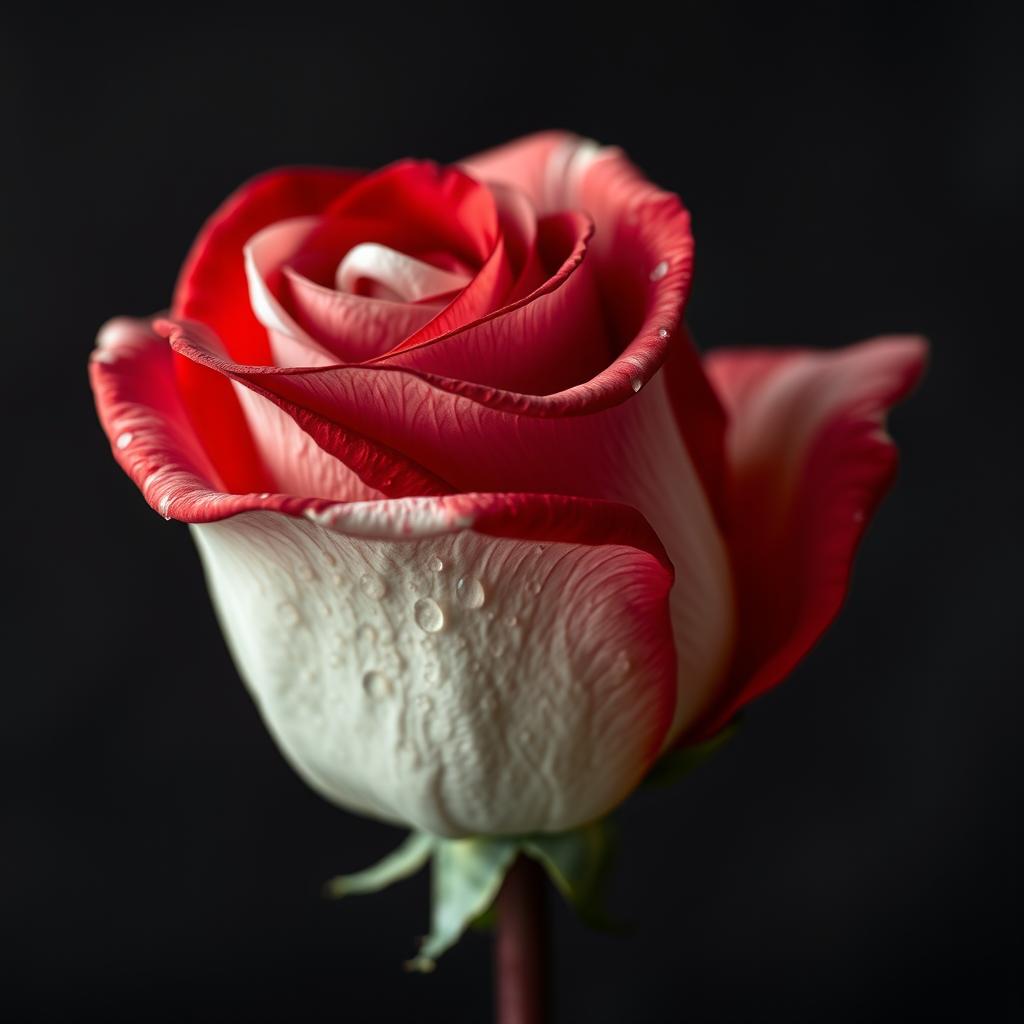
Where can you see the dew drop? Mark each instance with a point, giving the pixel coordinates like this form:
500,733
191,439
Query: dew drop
534,586
428,615
125,439
372,585
659,271
435,564
470,592
376,685
165,506
512,620
662,332
337,579
365,634
263,495
636,383
289,614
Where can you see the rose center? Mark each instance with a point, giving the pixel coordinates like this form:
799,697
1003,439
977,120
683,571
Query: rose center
379,272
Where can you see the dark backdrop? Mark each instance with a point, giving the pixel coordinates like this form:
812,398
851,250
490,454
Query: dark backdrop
853,855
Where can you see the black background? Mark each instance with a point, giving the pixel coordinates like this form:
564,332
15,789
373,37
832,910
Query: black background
854,854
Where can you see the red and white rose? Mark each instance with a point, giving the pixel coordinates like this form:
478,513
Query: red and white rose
485,534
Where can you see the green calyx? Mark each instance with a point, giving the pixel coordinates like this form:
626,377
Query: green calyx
467,875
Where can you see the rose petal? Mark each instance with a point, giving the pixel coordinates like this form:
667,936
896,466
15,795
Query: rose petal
546,342
309,324
212,289
642,253
532,697
811,461
479,439
394,276
153,439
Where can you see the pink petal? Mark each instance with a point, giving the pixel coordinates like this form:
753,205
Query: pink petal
810,462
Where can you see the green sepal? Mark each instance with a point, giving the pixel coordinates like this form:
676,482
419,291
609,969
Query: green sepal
578,862
406,860
467,876
677,764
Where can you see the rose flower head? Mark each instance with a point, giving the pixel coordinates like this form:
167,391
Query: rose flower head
485,534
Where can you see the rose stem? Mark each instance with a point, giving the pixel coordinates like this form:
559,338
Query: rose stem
520,946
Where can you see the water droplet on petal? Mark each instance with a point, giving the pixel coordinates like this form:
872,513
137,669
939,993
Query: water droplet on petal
435,564
470,592
365,634
165,506
428,615
289,614
372,585
124,439
662,332
376,685
659,271
535,586
512,620
636,383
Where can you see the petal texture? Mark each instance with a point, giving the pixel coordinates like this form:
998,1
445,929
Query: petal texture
475,438
475,664
810,461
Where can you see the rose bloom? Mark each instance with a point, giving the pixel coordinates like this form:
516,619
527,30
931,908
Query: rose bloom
485,534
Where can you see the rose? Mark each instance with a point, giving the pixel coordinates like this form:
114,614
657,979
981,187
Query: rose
485,536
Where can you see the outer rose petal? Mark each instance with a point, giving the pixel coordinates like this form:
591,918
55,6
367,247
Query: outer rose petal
640,230
810,461
536,711
477,438
153,439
